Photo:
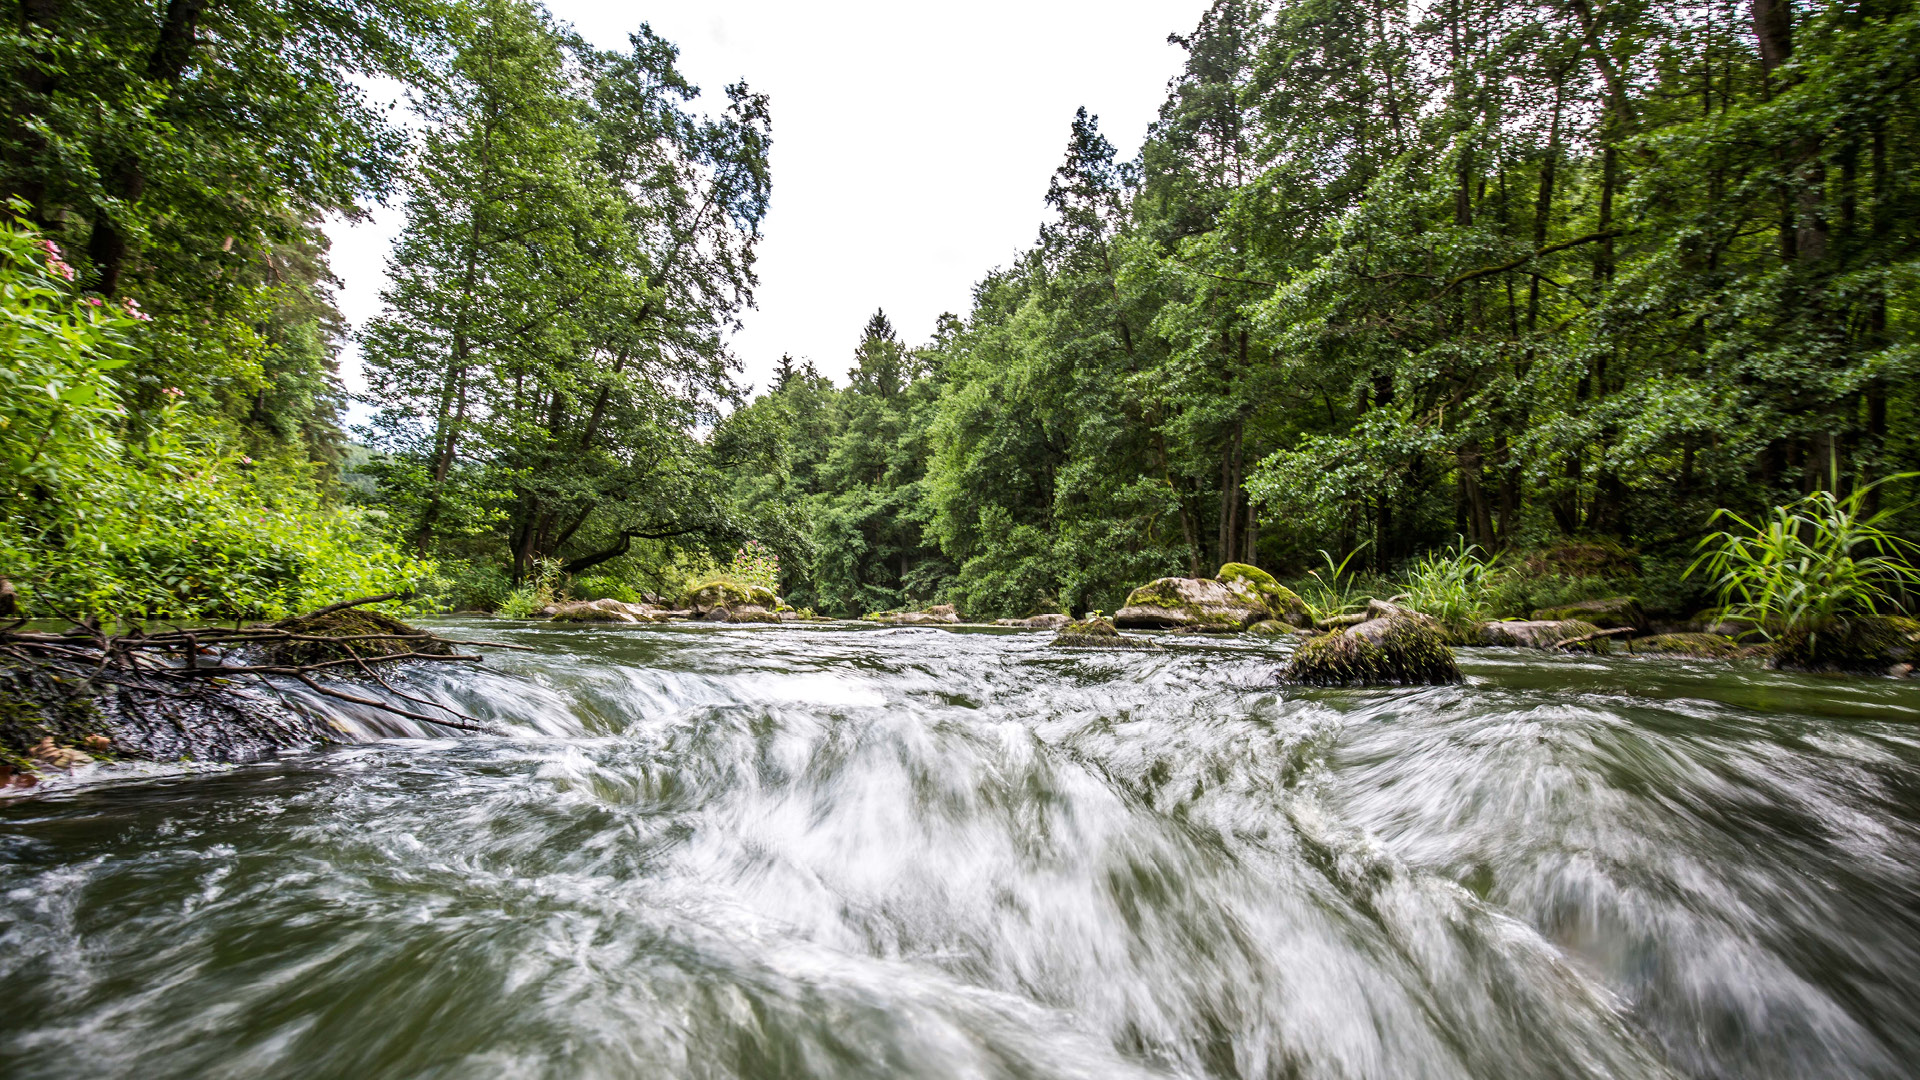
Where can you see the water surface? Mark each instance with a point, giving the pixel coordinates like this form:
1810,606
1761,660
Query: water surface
851,852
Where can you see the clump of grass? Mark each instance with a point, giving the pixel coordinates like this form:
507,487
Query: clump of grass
1457,587
1810,564
1333,590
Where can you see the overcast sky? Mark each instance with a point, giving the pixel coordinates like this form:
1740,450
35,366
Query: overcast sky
912,143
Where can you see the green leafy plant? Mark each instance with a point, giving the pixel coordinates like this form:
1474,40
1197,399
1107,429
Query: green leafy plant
1457,587
534,593
1809,564
1337,591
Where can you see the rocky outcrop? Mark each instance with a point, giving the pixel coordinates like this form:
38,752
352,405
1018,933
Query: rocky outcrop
1099,634
1037,622
1394,650
1537,633
937,615
1192,604
1612,613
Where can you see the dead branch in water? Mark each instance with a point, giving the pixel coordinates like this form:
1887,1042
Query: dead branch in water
1584,638
136,660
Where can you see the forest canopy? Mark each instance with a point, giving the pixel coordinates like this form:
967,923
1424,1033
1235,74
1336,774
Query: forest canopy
1552,281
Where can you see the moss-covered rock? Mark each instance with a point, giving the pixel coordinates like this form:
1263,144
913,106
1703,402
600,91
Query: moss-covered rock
1699,646
1612,613
727,593
1280,602
1394,651
1193,604
1099,634
377,634
1272,628
1866,644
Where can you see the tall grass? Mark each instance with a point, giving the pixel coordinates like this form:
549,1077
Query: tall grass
1456,587
1810,563
1334,589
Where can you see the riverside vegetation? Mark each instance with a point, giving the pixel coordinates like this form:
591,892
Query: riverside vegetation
1507,305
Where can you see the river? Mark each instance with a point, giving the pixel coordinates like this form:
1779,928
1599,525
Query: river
835,851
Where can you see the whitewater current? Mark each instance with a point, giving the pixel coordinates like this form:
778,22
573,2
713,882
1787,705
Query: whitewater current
851,852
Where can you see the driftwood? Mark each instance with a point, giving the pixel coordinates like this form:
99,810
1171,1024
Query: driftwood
136,660
1584,638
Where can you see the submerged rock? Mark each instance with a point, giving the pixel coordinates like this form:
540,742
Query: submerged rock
1393,651
1099,634
1612,613
1195,604
1862,645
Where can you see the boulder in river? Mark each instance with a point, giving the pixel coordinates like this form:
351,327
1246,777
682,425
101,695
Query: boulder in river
722,593
1393,651
1699,646
937,615
1099,634
1612,613
1539,634
1194,604
1281,603
1862,645
1037,622
596,611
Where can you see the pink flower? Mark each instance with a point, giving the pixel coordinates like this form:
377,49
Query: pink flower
95,301
245,460
173,391
50,248
60,268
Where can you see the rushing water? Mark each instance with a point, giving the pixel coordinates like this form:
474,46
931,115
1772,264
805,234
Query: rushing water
844,852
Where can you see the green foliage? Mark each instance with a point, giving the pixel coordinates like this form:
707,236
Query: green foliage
1810,564
165,526
1457,587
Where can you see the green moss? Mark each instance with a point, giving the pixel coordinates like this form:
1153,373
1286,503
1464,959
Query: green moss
1868,644
725,592
1395,651
1163,593
1099,634
1281,602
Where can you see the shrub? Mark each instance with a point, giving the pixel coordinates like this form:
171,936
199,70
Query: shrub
1456,588
1809,564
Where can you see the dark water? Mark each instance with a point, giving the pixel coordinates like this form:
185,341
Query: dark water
835,852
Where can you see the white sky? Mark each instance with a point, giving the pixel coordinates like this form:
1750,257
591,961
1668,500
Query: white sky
912,144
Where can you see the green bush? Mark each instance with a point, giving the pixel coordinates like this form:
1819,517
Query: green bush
1811,564
165,525
1457,587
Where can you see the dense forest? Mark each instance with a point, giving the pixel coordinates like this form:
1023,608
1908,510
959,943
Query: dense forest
1548,281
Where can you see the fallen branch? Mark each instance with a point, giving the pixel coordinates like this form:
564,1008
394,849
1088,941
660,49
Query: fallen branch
1584,638
136,660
